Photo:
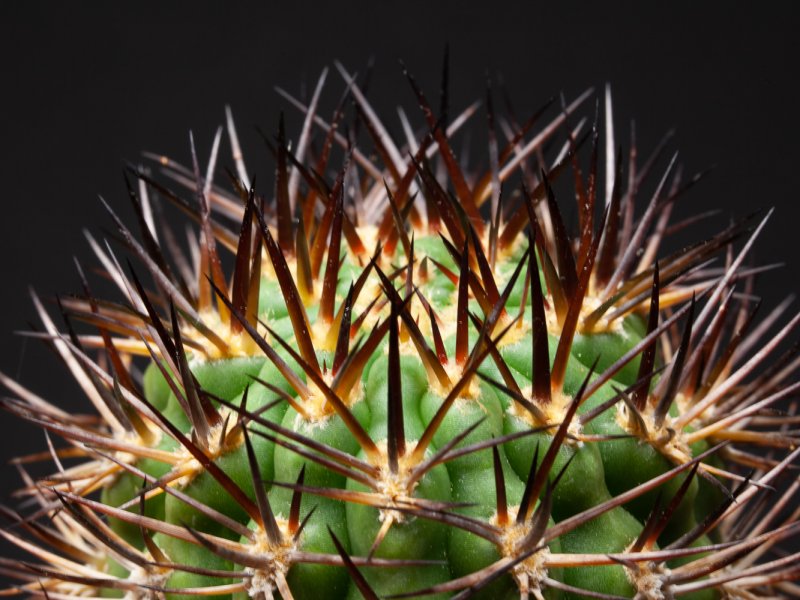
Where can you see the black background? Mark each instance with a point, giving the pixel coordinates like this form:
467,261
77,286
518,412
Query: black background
87,86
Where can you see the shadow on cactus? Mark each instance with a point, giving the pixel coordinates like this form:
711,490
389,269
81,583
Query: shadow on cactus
416,381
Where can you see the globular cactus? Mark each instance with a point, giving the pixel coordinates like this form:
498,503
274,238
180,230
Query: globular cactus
416,381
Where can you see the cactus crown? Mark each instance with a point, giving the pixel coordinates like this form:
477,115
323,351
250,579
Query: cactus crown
416,381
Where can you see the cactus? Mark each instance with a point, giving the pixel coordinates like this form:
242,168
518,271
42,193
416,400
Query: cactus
416,381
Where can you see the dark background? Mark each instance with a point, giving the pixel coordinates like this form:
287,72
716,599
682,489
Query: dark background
87,86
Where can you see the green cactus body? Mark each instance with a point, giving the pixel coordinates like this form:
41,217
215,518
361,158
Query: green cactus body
392,397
